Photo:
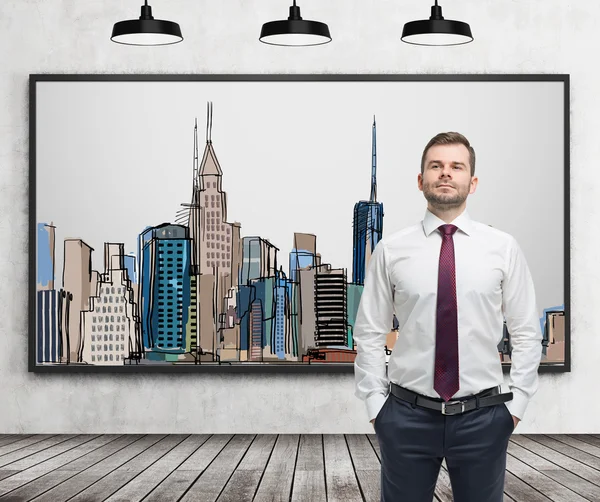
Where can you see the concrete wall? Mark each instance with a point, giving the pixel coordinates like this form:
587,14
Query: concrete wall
72,36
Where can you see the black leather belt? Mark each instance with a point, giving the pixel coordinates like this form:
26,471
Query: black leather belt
488,397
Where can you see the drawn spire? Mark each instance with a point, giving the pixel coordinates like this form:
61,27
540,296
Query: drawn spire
196,154
374,165
209,165
209,114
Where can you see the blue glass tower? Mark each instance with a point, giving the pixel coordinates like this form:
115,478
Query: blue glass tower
303,254
367,223
279,326
45,256
165,284
300,259
130,262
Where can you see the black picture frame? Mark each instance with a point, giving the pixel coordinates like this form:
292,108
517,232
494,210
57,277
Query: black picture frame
287,367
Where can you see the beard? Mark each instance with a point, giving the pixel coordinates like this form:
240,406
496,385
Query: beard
445,200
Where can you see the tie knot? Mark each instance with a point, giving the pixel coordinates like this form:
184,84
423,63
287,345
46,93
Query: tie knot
448,229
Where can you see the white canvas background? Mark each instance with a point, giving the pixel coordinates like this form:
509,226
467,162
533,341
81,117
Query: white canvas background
115,157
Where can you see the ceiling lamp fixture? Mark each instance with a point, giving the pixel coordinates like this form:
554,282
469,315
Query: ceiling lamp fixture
295,31
146,30
436,30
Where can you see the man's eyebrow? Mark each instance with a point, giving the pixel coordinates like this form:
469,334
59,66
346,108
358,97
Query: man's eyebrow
440,162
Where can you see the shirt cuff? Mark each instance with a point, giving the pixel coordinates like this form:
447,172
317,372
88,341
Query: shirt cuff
374,404
518,404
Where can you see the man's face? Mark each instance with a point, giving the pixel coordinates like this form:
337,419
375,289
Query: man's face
446,180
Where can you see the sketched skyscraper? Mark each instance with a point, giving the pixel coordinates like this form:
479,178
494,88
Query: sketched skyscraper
165,291
48,339
215,254
77,284
110,327
367,223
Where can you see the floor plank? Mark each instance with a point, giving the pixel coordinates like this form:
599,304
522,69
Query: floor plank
9,439
7,473
109,484
244,482
49,453
367,467
375,443
87,477
520,491
588,438
276,483
67,471
309,478
578,477
264,467
9,453
549,449
28,474
540,481
340,479
146,481
443,488
309,486
211,482
178,482
565,450
18,436
362,453
576,443
37,452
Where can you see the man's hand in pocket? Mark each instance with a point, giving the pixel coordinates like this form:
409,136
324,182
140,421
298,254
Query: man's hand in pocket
516,421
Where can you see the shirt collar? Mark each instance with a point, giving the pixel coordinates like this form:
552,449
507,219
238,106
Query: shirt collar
431,222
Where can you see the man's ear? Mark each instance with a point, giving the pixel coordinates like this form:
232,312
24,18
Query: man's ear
473,186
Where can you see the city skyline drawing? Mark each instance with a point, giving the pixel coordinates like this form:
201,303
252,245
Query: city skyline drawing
199,292
197,289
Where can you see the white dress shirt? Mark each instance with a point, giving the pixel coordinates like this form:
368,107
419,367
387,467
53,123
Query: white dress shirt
493,283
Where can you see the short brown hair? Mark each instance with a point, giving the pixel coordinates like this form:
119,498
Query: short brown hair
450,138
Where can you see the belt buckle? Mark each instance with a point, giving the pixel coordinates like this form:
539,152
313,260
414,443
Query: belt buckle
453,403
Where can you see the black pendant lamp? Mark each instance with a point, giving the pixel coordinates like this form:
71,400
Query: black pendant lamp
146,30
436,30
295,31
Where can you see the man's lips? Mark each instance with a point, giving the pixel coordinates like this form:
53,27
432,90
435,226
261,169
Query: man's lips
447,186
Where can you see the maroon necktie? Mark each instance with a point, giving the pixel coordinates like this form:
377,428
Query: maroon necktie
446,330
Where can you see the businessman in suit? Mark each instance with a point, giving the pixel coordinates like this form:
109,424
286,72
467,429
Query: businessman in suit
452,282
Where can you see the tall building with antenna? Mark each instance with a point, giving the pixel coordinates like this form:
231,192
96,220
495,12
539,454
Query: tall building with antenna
216,250
367,222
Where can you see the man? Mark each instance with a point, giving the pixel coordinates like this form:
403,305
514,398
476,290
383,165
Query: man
452,282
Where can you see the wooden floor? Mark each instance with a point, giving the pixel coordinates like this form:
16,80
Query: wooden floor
237,468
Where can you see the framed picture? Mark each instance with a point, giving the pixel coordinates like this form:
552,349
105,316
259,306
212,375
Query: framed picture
226,222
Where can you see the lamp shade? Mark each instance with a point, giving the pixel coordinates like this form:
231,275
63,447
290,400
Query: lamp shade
295,31
436,30
146,30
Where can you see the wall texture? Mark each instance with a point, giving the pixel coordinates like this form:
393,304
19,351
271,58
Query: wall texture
72,36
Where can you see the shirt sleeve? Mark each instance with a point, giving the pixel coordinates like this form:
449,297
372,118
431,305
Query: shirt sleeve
373,322
520,311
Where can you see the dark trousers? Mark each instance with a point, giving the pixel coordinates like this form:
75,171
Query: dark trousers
413,442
